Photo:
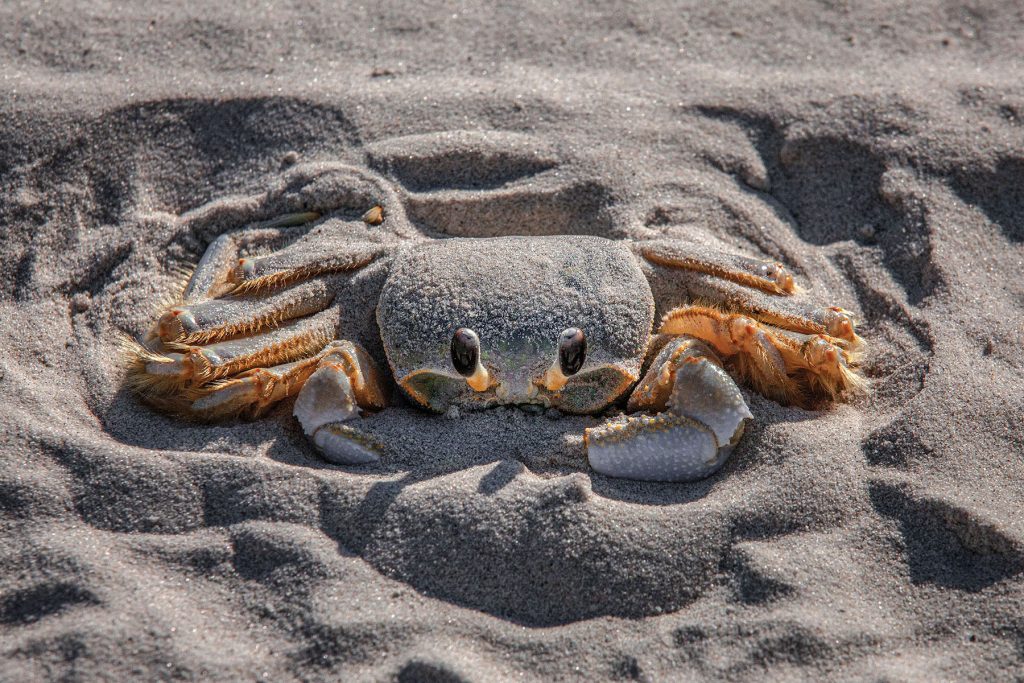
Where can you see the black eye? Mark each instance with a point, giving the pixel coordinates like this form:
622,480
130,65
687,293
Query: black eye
465,351
572,351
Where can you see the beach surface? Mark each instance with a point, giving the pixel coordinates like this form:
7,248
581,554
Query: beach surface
877,152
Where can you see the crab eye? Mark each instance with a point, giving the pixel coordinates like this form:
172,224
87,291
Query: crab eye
572,351
465,351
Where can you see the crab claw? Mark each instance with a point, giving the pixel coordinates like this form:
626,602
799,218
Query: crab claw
325,404
703,391
662,447
702,420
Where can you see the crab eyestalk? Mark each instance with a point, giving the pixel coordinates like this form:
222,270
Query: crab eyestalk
572,352
466,359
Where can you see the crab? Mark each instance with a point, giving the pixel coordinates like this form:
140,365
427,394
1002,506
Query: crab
560,322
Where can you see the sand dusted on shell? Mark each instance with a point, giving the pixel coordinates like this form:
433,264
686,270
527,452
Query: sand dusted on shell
879,154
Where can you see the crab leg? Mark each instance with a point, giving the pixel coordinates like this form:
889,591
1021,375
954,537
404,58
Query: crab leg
230,316
213,305
786,366
346,379
209,278
700,417
764,290
302,261
255,390
177,373
764,275
790,312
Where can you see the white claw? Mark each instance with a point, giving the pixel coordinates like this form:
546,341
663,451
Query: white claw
705,392
692,436
663,447
343,445
325,398
322,407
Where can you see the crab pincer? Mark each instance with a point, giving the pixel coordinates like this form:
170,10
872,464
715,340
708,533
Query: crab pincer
344,384
699,415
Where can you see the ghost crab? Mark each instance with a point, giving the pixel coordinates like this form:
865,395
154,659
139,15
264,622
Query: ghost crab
563,322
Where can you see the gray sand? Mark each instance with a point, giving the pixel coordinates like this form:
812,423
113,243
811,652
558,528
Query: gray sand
879,154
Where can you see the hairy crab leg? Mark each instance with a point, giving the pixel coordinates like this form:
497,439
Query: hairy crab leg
255,390
763,290
788,367
231,341
210,276
826,365
158,376
795,313
345,381
217,319
302,261
700,416
251,392
766,276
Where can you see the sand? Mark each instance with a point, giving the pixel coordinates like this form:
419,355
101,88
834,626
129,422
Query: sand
879,153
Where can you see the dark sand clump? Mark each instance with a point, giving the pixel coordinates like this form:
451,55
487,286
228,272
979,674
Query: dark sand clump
879,154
